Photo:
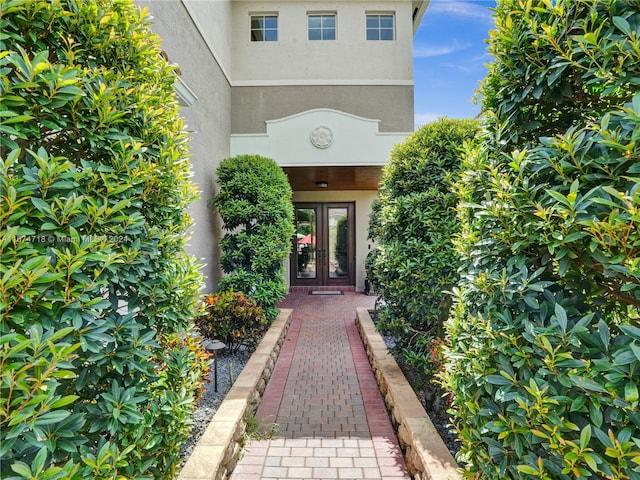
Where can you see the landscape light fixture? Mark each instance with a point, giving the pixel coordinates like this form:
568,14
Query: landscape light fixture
322,184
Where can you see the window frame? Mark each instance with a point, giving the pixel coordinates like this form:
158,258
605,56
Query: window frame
263,29
379,28
322,28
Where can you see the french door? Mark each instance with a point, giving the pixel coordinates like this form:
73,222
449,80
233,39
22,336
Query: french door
324,244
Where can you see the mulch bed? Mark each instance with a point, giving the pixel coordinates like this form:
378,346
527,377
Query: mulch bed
433,399
434,402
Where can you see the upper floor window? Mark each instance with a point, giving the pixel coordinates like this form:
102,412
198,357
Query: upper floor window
380,27
264,28
321,26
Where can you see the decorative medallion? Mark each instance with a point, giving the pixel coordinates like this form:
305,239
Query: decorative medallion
321,137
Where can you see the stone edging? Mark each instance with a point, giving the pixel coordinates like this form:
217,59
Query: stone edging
218,450
426,455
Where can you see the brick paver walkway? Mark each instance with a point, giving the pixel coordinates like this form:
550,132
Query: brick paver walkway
324,397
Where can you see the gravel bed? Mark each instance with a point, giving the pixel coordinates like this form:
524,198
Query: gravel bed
435,405
229,367
430,397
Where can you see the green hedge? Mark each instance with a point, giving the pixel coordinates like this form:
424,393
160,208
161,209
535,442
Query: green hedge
413,220
99,371
544,361
257,211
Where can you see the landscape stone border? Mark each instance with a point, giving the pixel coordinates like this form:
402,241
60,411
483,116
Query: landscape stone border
426,455
218,450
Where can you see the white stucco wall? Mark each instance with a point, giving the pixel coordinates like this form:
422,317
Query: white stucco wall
294,60
213,19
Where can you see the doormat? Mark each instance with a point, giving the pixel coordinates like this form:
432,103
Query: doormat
326,292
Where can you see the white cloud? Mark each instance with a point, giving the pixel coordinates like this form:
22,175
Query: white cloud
434,51
470,65
476,10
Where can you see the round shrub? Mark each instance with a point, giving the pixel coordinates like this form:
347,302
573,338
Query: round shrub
544,363
99,370
257,211
413,220
232,318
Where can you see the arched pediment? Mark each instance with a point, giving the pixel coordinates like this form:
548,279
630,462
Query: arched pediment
321,136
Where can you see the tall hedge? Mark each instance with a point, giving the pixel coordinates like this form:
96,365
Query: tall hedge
545,334
413,220
99,371
255,203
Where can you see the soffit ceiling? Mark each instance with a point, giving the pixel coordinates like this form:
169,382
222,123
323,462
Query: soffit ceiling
337,178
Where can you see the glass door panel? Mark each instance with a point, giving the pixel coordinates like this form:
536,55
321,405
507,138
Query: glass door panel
338,242
306,249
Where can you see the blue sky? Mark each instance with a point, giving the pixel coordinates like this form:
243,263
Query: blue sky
449,52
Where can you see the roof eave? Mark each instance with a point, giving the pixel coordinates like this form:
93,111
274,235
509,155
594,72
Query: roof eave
419,7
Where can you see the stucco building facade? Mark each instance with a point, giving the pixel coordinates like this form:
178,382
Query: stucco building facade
323,88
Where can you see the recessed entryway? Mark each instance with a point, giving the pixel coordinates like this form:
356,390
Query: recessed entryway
323,252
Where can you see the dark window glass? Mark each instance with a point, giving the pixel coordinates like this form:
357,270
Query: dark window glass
264,28
386,21
315,34
386,34
315,22
257,23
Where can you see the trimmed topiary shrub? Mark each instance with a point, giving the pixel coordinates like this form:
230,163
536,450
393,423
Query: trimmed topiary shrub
413,220
257,211
100,373
544,361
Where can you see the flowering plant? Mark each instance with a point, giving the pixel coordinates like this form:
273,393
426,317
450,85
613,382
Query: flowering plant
232,318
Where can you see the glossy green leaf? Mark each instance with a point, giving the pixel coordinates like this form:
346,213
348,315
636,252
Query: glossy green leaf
631,391
585,437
